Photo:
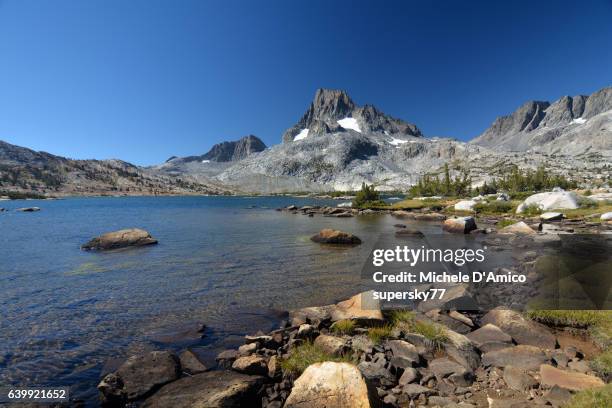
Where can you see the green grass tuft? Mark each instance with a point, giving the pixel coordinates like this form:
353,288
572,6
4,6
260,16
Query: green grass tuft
307,354
343,327
602,364
434,333
593,398
401,316
379,333
580,319
495,207
504,223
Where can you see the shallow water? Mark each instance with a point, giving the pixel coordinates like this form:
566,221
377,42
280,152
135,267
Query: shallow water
230,263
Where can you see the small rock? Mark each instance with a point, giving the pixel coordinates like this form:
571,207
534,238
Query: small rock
581,366
253,364
28,209
461,317
247,349
190,363
330,344
409,375
414,390
552,216
518,379
274,368
518,228
488,333
606,216
409,232
465,205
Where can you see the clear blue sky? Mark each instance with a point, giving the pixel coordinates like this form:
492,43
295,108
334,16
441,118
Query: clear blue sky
144,80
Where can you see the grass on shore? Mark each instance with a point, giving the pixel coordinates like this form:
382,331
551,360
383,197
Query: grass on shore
593,398
343,327
308,353
379,333
597,323
434,333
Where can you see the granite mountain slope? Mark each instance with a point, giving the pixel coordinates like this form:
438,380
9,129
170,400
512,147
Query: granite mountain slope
570,125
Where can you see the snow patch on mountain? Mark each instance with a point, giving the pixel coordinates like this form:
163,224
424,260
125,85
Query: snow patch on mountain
350,123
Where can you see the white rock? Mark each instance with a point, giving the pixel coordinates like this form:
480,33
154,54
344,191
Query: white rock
556,200
606,216
479,198
329,384
503,197
347,204
551,216
465,205
600,197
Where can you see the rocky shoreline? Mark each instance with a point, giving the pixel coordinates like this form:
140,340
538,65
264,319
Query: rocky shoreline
346,355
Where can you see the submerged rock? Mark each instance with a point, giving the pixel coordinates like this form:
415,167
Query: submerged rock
139,376
212,389
330,236
518,228
190,363
120,239
28,209
329,384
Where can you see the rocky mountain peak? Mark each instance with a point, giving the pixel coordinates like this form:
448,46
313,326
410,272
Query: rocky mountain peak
333,111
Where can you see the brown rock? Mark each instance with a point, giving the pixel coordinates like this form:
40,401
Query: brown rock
569,380
330,344
120,239
252,364
518,228
459,225
517,379
488,333
330,236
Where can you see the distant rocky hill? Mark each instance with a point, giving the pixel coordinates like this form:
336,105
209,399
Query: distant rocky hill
226,151
571,125
27,171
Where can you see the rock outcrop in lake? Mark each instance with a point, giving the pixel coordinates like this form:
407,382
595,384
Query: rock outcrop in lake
133,237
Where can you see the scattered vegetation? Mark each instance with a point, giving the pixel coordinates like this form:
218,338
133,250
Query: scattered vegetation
379,333
401,317
494,207
593,398
532,210
517,180
16,195
368,197
342,327
409,205
598,324
505,222
447,186
308,353
434,333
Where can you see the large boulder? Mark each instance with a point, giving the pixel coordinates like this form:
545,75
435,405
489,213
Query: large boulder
404,354
465,205
139,376
569,380
132,237
523,331
212,389
329,384
523,357
459,225
554,200
331,236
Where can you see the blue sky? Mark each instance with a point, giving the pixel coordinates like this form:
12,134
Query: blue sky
142,80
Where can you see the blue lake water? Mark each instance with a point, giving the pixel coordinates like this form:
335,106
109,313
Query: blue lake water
230,263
